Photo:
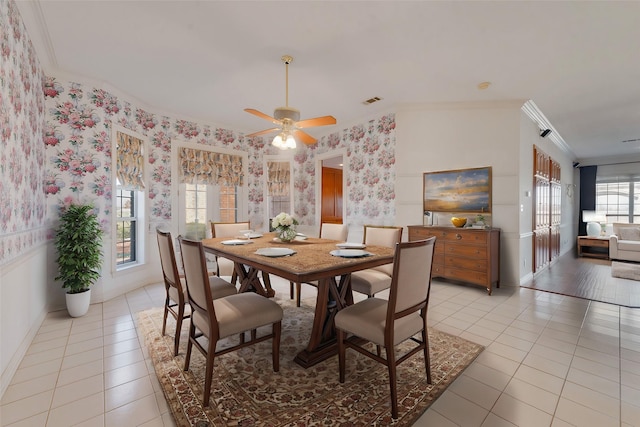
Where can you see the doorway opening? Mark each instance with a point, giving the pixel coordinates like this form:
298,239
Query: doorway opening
331,186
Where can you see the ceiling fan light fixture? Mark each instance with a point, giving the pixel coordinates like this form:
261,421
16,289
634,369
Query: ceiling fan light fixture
284,141
290,142
278,142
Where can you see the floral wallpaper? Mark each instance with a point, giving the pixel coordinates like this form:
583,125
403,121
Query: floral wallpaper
78,147
370,176
22,154
56,149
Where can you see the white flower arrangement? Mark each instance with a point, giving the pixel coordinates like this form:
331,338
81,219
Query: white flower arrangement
283,221
285,226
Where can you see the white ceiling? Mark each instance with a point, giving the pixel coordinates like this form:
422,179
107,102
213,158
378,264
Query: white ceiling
208,60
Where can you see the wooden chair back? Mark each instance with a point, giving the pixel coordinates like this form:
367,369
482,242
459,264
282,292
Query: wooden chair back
168,262
197,281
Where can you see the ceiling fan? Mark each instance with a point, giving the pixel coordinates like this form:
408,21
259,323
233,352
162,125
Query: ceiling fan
288,120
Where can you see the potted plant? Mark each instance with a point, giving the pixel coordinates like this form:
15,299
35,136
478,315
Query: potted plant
79,244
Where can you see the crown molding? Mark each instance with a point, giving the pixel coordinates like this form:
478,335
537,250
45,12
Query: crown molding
38,32
531,109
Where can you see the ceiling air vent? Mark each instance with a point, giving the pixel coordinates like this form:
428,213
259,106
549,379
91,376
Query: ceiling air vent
372,100
628,141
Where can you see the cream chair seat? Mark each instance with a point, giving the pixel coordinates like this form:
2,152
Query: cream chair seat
329,231
215,319
374,280
389,322
176,291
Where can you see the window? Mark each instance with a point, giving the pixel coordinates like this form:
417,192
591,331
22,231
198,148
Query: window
619,200
129,197
195,210
278,186
126,226
228,204
202,203
210,187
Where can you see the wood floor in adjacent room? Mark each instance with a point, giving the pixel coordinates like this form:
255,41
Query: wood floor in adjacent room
588,278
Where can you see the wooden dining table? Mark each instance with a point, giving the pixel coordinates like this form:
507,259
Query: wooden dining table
311,261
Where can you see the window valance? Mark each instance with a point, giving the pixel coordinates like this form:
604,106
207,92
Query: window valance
278,178
209,167
129,161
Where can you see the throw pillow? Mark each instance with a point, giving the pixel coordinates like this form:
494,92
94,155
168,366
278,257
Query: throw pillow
630,233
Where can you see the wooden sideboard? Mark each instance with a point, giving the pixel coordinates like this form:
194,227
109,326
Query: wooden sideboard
464,254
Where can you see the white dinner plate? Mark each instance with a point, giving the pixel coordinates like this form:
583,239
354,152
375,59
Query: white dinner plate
350,253
350,245
275,252
236,242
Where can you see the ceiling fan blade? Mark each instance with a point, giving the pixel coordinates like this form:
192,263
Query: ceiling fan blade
262,132
318,121
261,115
304,137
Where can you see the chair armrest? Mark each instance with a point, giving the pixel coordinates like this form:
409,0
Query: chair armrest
613,246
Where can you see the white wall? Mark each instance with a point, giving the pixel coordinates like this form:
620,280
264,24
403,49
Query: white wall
457,136
23,307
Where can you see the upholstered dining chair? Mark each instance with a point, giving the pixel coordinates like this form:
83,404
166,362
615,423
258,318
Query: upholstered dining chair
376,279
330,231
390,322
215,319
176,298
226,267
232,230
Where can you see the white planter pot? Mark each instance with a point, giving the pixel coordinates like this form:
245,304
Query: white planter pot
78,304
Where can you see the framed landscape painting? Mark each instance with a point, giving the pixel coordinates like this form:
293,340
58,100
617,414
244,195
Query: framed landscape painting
462,190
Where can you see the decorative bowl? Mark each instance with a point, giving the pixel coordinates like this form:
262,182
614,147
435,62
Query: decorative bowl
458,222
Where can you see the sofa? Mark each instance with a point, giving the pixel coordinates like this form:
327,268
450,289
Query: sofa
624,243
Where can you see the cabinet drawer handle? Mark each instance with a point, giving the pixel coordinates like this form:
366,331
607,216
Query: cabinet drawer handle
458,236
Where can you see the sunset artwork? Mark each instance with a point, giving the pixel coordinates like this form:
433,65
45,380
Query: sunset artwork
464,190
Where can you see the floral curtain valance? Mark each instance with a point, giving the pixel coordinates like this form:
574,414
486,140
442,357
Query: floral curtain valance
130,161
209,167
278,178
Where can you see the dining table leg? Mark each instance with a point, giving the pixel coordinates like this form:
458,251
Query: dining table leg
250,281
333,296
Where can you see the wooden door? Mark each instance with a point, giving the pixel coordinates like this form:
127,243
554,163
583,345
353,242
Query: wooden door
331,210
547,205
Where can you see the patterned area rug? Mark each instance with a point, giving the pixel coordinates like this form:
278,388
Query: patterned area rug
246,391
625,270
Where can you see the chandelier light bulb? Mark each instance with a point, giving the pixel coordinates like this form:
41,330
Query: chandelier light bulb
290,142
278,141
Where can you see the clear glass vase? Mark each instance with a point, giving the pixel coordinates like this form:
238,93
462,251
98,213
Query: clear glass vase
287,234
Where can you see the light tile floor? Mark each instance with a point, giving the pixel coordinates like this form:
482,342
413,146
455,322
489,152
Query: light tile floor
549,360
